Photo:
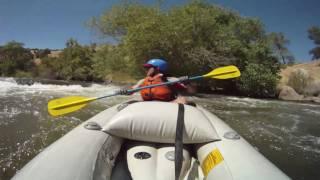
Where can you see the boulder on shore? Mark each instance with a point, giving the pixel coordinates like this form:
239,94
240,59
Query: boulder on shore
312,99
288,93
300,82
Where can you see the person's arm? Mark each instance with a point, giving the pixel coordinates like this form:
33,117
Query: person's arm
124,91
138,84
177,86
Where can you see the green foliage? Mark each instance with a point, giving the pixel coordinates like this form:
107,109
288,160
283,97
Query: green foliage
314,35
278,44
108,60
14,57
74,63
258,81
49,68
193,38
23,74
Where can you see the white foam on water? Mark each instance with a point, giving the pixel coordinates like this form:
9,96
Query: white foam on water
8,86
36,113
309,111
248,100
275,147
290,103
243,112
308,143
289,116
251,102
264,130
10,112
295,126
293,119
234,98
223,112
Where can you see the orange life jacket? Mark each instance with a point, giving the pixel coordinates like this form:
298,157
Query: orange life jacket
161,93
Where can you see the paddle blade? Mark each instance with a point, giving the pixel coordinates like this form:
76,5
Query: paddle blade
67,105
226,72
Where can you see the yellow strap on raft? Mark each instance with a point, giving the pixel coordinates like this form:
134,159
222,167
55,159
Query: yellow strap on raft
213,159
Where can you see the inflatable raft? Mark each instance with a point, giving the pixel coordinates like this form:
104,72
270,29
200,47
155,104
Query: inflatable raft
137,141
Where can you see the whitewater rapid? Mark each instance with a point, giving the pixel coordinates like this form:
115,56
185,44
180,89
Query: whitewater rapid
287,133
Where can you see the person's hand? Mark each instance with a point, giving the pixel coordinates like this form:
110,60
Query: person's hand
192,88
124,92
180,100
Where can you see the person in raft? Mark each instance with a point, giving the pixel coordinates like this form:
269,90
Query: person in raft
155,74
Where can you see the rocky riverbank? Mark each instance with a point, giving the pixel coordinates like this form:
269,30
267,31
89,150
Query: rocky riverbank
300,82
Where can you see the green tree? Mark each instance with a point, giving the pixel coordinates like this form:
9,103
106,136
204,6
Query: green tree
194,38
279,45
314,35
109,59
258,81
14,57
50,67
74,63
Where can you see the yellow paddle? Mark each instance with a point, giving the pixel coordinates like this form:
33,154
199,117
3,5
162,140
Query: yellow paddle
65,105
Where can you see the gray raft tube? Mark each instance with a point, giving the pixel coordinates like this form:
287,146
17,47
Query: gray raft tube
81,154
86,153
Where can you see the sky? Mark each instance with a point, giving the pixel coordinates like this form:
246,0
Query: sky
49,23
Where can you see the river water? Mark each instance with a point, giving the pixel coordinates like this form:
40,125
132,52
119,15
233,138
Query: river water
287,133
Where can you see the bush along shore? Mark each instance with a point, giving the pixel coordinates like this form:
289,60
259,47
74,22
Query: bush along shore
194,38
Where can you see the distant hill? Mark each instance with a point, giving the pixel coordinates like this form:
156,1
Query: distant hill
38,54
45,52
55,53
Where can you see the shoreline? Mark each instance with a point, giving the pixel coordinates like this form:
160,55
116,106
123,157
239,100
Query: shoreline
201,94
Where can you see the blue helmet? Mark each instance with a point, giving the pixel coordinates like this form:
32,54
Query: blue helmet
162,65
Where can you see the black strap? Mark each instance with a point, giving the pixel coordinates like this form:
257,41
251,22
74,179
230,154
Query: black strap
179,142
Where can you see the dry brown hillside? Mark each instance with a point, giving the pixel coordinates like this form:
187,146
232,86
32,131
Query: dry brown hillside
300,82
55,53
313,68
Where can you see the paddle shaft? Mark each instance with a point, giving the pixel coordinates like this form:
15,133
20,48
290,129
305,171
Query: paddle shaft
165,83
185,78
129,91
152,86
70,102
